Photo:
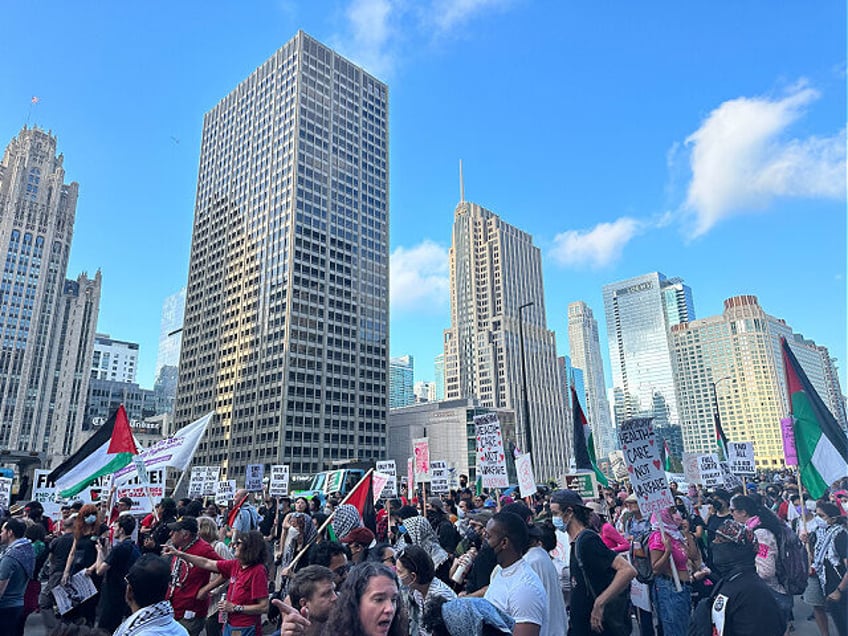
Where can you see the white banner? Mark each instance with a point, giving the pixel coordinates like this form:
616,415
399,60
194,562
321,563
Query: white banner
642,455
710,470
278,485
175,451
526,480
740,458
388,467
253,477
144,496
439,477
491,460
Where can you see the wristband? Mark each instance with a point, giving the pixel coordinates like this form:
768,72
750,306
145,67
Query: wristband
238,609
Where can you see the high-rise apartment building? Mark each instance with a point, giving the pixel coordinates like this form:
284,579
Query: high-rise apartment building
47,322
286,320
585,346
401,378
498,305
639,313
733,362
113,359
439,377
424,391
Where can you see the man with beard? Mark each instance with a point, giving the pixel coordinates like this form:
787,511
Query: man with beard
312,592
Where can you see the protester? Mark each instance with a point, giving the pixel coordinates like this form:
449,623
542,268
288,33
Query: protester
153,540
208,530
419,532
609,535
382,553
58,550
830,563
542,541
359,540
244,517
345,520
465,617
668,549
416,574
83,554
147,587
247,594
312,592
332,555
446,533
298,533
16,567
36,535
114,567
600,579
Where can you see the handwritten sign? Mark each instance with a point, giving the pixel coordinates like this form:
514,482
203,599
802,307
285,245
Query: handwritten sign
210,480
144,494
690,468
619,468
389,468
5,491
253,477
491,460
439,477
526,480
642,456
196,481
790,453
44,492
225,492
584,484
730,480
421,454
710,470
278,486
740,458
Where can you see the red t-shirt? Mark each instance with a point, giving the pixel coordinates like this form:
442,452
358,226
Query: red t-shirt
247,586
187,579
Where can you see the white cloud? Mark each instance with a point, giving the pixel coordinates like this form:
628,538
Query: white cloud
370,36
598,247
448,14
419,277
741,160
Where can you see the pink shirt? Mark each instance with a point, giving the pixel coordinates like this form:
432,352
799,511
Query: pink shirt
612,538
678,551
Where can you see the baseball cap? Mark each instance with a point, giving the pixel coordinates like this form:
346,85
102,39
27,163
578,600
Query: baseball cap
185,523
362,536
483,517
566,498
436,502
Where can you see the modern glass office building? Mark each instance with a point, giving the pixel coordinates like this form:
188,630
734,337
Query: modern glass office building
401,379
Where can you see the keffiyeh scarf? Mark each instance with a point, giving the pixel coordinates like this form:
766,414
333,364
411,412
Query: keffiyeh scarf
345,520
420,533
671,529
826,549
159,614
307,534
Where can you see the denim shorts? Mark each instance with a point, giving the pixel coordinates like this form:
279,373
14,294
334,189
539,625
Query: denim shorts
813,595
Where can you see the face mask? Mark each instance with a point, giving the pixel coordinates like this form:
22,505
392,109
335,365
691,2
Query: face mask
460,513
725,556
559,524
90,519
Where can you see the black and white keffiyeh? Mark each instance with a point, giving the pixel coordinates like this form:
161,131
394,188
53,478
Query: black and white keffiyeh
158,617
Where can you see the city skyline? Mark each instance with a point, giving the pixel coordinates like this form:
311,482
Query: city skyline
604,198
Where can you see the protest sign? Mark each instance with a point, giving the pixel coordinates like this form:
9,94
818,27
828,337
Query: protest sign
740,458
45,493
439,477
196,481
491,461
225,492
333,482
619,468
729,480
526,480
790,453
389,468
144,495
5,491
79,588
421,455
410,476
278,485
690,468
584,484
710,470
210,481
642,456
378,483
253,477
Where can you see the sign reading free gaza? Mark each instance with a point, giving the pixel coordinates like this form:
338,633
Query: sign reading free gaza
644,467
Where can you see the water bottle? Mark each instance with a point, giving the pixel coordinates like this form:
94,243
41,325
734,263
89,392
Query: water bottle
465,563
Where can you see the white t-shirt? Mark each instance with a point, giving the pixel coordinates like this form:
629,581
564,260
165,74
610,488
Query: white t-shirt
540,562
519,592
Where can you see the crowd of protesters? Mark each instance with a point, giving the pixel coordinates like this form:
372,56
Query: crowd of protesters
465,562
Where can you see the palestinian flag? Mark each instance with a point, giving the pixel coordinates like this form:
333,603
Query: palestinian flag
720,438
584,444
821,445
666,457
362,498
110,448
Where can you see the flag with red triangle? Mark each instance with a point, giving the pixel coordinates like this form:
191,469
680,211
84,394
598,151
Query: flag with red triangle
362,498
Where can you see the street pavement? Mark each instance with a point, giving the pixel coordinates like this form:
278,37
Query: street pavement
803,627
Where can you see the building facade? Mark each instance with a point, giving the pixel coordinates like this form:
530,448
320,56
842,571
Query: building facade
585,346
286,320
439,375
113,359
733,362
498,305
401,378
48,322
639,313
424,391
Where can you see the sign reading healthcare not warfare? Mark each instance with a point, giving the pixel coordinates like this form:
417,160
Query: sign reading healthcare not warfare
421,455
491,460
740,458
389,468
439,477
642,455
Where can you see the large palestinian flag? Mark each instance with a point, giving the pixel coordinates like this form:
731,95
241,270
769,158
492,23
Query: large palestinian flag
110,448
584,443
821,444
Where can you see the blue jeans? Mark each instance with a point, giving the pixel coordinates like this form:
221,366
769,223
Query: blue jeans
784,602
229,630
673,608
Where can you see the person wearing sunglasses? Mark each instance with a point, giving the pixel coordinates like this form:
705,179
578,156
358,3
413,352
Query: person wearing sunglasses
246,599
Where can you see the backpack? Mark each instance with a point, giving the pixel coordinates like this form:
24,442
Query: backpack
640,557
793,565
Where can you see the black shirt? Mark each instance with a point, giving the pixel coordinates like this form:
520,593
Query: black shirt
60,548
750,606
120,559
481,569
597,558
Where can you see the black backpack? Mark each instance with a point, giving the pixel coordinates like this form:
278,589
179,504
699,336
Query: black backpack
640,557
793,565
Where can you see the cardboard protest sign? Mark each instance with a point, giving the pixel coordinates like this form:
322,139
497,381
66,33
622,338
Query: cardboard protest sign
5,491
619,468
388,467
210,481
144,495
642,456
253,477
334,482
526,480
225,492
790,453
278,485
729,480
710,470
378,483
439,477
584,484
410,475
740,458
690,468
421,455
196,481
491,460
44,492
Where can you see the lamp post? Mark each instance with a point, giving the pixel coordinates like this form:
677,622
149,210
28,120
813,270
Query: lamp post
528,440
716,416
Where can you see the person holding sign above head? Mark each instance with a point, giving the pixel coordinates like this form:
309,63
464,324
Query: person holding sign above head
669,550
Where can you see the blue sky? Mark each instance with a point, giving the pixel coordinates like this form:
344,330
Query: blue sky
706,141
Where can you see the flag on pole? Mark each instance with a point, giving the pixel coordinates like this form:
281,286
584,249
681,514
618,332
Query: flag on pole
822,446
584,444
362,498
110,448
721,440
667,457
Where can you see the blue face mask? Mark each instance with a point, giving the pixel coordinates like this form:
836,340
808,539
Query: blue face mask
559,524
90,519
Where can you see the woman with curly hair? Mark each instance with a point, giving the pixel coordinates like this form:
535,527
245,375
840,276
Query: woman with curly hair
83,555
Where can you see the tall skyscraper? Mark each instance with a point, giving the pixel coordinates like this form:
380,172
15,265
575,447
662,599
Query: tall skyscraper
286,320
114,359
170,331
733,361
401,378
585,346
439,370
639,313
47,323
495,272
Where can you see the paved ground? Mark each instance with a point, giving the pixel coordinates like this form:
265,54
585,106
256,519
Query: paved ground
803,627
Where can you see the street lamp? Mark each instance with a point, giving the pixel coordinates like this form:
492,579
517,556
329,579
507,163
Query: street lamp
528,440
716,416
